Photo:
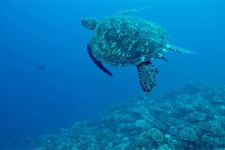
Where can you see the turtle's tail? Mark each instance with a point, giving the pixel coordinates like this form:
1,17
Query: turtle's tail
179,50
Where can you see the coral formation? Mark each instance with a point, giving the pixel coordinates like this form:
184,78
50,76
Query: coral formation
188,134
191,118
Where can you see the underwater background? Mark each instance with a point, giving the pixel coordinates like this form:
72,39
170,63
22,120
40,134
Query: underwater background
48,81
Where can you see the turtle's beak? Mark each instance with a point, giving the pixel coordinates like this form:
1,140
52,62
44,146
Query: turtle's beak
84,23
89,23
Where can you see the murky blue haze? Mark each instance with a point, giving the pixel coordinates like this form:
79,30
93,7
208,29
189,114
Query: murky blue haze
47,80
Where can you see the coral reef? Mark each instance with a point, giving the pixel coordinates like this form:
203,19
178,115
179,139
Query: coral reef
191,118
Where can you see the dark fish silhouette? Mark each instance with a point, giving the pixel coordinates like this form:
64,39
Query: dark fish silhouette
42,67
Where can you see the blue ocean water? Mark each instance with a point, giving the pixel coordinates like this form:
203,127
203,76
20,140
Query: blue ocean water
47,80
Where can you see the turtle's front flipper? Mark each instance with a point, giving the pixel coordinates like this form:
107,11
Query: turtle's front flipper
147,75
98,63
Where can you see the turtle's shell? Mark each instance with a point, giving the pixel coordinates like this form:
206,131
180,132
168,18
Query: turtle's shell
125,40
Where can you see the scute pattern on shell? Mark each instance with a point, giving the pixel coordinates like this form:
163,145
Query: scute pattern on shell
124,40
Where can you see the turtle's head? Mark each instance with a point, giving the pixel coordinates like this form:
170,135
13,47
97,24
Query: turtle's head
89,23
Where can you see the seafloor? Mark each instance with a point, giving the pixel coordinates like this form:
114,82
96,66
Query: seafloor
191,118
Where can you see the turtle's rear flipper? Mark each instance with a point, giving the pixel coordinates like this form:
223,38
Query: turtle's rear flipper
147,75
179,50
98,63
129,11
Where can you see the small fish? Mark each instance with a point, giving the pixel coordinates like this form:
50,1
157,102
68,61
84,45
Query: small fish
29,141
42,67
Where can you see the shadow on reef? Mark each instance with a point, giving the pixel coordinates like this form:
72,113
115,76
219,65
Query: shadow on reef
187,119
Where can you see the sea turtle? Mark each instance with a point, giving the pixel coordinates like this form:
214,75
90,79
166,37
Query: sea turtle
123,40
